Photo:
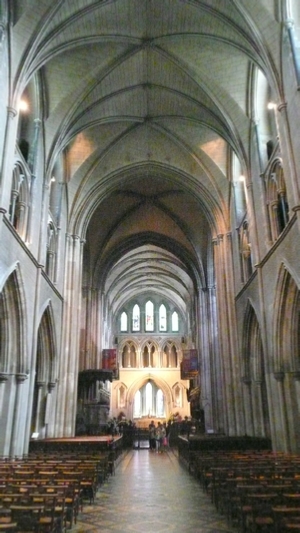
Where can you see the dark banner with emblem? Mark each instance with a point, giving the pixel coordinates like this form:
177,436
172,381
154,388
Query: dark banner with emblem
189,368
109,361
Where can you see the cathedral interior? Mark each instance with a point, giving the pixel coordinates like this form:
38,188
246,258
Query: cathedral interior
149,200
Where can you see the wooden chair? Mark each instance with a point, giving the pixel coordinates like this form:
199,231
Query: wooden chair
6,522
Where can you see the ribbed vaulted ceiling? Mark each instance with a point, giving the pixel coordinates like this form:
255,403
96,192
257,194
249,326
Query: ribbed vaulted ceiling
147,98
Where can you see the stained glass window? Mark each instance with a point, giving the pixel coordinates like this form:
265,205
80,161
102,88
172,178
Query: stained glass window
149,316
136,318
124,321
162,318
174,321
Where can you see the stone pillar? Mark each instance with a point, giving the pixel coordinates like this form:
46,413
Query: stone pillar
8,157
285,138
32,366
32,162
3,380
67,394
282,427
49,409
248,408
18,413
209,359
39,385
220,367
258,418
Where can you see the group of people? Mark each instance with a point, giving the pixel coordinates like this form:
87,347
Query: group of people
158,436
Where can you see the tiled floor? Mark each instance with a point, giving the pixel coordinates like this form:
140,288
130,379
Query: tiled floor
151,493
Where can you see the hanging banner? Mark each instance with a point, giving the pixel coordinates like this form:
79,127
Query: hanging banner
109,358
109,361
189,367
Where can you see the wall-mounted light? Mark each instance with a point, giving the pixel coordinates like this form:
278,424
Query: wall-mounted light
271,105
53,179
23,106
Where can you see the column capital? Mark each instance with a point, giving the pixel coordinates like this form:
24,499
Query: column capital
3,377
51,386
279,376
246,380
11,112
21,377
282,106
296,375
289,23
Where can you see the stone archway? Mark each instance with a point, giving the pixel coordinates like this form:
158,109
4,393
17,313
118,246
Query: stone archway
139,384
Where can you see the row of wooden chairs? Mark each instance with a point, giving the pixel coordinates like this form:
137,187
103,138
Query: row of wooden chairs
44,494
257,492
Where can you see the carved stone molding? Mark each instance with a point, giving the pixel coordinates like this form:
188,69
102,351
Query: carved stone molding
51,386
279,376
246,380
296,375
20,378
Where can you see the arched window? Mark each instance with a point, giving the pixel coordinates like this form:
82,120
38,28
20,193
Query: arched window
51,250
245,251
149,401
136,318
129,355
149,316
149,355
160,404
169,359
137,406
175,322
162,318
19,201
122,397
124,321
293,28
276,200
264,118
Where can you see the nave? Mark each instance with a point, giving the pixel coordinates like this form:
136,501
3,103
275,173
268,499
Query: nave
151,493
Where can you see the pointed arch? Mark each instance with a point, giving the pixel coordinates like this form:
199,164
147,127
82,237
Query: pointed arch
252,348
169,355
149,354
160,384
13,353
286,323
128,351
46,366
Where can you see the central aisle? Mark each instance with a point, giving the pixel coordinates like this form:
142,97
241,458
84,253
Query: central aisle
151,493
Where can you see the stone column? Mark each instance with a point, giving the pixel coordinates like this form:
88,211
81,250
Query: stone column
285,138
15,445
283,429
248,408
8,157
3,380
32,162
209,361
258,419
39,385
220,368
67,400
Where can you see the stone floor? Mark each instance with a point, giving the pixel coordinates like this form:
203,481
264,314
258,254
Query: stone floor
151,493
